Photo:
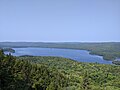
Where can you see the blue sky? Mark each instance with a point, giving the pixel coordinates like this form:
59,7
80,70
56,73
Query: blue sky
60,20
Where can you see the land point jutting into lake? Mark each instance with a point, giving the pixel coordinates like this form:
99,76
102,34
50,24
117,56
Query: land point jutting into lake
55,73
109,51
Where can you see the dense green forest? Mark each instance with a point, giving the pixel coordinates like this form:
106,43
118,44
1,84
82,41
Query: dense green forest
109,50
55,73
22,75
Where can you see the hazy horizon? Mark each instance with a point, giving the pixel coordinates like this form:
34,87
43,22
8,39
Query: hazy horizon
55,42
60,21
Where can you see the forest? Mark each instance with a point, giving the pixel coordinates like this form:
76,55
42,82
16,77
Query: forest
55,73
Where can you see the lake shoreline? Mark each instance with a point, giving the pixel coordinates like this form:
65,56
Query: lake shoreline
75,54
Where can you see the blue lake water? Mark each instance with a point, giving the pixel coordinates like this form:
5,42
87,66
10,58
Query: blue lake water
78,55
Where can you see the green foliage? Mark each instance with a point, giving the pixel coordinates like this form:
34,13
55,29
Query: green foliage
82,76
22,75
55,73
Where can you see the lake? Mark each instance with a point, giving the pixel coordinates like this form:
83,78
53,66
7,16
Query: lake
78,55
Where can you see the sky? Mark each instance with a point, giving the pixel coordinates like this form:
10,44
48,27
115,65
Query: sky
60,20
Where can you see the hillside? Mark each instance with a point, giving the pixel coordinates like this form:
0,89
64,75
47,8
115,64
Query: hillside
55,73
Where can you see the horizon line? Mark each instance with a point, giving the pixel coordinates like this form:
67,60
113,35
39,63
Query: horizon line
60,41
